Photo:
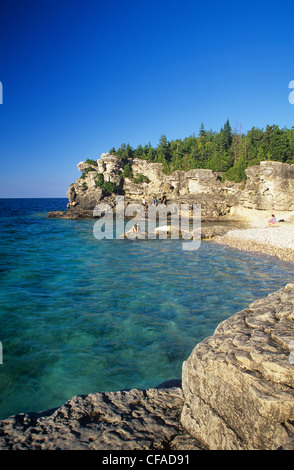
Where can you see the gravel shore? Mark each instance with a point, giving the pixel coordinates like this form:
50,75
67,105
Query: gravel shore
276,240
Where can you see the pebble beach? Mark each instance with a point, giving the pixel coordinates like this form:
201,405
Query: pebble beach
277,240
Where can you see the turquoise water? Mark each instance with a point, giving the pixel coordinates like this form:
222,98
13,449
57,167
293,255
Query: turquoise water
80,315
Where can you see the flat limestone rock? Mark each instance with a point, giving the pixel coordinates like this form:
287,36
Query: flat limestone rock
124,420
71,214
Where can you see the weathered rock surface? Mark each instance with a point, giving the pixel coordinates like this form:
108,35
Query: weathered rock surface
77,213
195,186
125,420
238,384
269,186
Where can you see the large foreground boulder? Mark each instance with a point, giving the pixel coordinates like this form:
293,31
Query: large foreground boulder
238,384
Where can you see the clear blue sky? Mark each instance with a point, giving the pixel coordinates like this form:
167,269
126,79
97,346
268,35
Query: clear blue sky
82,76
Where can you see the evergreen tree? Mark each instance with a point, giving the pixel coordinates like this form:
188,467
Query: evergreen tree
202,131
227,135
222,151
163,149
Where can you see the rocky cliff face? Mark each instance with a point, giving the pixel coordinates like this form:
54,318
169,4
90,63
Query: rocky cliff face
195,186
269,187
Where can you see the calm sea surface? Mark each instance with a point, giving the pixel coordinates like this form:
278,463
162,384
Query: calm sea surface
78,315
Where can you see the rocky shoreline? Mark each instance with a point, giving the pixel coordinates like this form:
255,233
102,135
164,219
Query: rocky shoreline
122,420
237,393
268,188
237,387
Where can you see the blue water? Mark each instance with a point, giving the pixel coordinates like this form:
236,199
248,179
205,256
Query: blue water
78,315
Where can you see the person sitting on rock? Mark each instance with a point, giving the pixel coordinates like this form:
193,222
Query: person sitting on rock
272,221
163,199
136,228
155,201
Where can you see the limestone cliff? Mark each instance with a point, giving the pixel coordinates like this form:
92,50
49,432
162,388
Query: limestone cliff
269,187
145,179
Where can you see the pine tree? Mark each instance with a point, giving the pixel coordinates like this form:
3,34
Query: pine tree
227,134
163,149
202,131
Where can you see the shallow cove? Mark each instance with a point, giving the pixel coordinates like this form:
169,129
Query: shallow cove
80,315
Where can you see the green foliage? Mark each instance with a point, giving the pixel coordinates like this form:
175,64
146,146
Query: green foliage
100,180
235,173
124,152
226,135
227,151
108,188
91,162
88,169
127,171
141,179
84,186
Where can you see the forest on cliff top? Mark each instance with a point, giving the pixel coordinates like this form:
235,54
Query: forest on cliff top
228,151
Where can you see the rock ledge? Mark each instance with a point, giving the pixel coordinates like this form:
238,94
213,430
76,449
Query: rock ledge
124,420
